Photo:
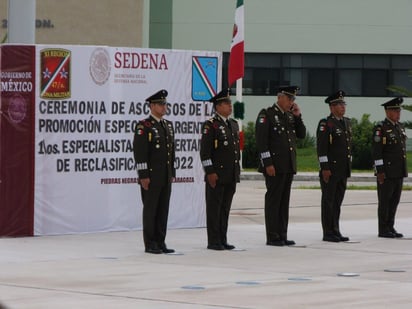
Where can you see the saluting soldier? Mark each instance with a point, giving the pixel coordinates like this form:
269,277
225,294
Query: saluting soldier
334,148
154,154
220,155
277,129
389,154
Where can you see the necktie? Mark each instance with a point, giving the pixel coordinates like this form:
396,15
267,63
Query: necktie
228,124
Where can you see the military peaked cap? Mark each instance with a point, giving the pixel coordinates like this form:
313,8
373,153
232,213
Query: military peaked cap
159,97
338,97
393,104
222,96
290,91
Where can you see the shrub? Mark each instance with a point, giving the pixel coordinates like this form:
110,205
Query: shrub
249,154
362,142
307,142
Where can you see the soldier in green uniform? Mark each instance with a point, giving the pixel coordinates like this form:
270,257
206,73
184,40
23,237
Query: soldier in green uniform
389,154
334,148
277,129
154,154
220,155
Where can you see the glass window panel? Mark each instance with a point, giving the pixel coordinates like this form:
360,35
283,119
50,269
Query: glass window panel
350,81
321,82
376,61
402,62
260,60
286,60
402,79
296,77
294,61
375,83
350,61
248,81
318,61
265,81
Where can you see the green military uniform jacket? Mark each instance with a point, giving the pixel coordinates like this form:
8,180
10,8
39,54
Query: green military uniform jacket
334,145
389,149
154,150
219,150
276,134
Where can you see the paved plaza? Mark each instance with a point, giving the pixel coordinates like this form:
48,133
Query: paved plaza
110,270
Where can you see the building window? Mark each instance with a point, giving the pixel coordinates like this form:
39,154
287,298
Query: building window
350,81
321,82
321,74
375,83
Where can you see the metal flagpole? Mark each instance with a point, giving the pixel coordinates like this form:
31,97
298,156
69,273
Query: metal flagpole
239,98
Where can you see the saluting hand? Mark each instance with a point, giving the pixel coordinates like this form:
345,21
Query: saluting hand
212,179
326,175
270,170
144,182
381,178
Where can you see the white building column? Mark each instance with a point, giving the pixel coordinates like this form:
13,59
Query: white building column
21,27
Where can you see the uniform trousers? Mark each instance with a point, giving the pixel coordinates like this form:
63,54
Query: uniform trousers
155,214
333,193
218,203
277,206
389,195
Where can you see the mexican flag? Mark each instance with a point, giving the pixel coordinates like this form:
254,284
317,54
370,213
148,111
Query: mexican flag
237,48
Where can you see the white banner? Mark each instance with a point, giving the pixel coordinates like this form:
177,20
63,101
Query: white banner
88,101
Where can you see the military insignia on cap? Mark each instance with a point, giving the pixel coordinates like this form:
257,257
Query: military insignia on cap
338,97
222,96
262,119
159,97
393,103
140,132
289,90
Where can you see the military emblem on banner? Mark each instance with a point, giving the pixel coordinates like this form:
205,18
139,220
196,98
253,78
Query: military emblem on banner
204,77
100,66
55,73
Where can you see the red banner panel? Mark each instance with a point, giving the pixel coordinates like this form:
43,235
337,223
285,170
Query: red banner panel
17,108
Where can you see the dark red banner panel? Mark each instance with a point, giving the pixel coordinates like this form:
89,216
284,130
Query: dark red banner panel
17,108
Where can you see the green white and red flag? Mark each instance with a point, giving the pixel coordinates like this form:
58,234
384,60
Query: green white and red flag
237,48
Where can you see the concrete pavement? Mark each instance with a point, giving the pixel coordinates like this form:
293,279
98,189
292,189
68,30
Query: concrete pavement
110,270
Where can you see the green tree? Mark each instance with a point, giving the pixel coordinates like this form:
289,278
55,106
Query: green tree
249,154
362,142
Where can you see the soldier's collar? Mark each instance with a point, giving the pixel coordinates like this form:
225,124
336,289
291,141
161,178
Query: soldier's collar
155,118
393,123
277,105
333,116
221,117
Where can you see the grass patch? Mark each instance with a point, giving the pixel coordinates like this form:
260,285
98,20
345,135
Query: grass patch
307,161
353,187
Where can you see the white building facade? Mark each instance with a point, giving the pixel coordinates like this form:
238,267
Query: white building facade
359,46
